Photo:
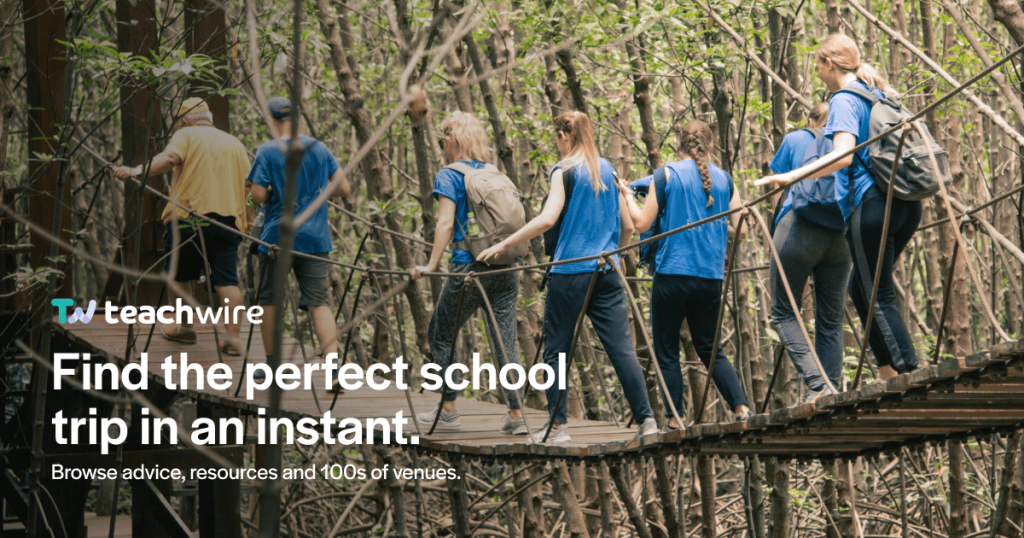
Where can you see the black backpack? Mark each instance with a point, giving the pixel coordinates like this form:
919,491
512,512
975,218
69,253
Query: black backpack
551,236
649,252
914,179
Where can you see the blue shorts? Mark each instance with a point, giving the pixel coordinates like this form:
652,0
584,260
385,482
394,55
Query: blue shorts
311,275
221,250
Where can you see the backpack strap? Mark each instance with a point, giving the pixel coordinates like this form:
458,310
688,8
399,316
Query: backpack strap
568,185
660,182
871,98
867,95
460,167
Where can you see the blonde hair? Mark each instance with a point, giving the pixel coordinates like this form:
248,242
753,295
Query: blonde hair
695,141
582,148
818,116
842,51
468,133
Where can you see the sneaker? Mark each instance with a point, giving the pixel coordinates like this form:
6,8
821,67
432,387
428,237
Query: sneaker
814,395
648,427
447,420
259,375
227,348
175,333
745,416
559,434
510,426
670,428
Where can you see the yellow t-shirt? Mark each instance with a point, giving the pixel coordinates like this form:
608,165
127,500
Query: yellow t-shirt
213,171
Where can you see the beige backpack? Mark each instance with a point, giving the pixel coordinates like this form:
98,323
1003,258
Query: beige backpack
498,208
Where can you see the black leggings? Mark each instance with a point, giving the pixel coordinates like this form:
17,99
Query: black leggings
890,340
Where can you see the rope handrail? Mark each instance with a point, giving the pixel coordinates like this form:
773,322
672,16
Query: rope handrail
818,166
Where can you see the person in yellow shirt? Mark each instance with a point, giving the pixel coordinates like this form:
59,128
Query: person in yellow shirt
210,167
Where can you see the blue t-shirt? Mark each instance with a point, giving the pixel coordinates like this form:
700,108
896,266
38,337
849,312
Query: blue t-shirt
699,251
318,165
788,158
452,185
848,113
591,223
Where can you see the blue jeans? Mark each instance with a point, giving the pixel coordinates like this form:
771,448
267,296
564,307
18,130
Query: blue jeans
807,250
502,292
673,299
609,315
890,340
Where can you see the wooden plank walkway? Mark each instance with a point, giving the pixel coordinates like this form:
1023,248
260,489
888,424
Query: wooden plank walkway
959,397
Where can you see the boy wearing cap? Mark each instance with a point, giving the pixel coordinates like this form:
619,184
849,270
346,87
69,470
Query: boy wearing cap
319,167
210,167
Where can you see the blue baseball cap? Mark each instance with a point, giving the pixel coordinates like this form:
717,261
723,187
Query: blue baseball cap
280,108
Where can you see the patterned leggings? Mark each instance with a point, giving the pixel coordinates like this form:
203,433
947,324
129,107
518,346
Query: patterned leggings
502,292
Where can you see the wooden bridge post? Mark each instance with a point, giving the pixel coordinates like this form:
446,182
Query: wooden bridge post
531,525
574,520
779,479
957,490
847,522
626,496
220,501
706,475
830,497
663,482
459,498
146,506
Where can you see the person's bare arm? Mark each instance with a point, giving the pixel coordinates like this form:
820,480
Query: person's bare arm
161,164
643,218
734,219
841,143
626,228
540,224
259,193
343,189
442,234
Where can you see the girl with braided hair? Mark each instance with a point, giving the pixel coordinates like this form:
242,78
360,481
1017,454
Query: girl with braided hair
690,265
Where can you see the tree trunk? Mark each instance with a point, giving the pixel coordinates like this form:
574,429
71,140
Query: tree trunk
641,95
574,521
378,183
1008,12
957,491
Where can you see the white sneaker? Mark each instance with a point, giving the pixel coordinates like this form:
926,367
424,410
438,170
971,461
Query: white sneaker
814,395
510,426
648,427
559,434
447,420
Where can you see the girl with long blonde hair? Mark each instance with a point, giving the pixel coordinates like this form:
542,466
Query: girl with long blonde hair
840,68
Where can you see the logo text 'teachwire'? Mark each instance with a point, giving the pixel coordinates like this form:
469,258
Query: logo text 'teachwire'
179,313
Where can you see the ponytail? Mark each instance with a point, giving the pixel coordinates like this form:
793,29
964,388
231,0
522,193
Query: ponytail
696,142
869,76
842,51
582,148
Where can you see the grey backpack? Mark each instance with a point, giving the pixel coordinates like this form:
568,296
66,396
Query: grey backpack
914,178
498,208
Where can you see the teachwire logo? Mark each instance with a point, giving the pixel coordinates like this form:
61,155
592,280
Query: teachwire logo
62,311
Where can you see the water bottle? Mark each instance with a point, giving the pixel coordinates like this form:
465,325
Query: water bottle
472,226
